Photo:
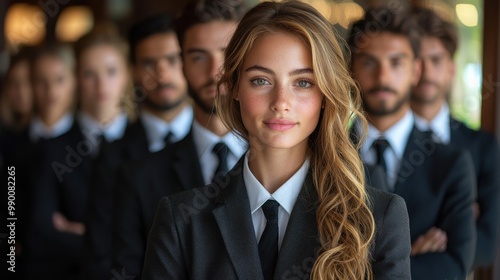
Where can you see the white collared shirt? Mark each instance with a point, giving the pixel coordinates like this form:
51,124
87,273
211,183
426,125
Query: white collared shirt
286,196
397,136
157,129
39,130
205,140
440,125
92,129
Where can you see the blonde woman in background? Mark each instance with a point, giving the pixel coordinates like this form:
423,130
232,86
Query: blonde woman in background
60,193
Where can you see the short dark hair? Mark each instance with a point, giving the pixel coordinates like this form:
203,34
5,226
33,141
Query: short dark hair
431,24
203,11
161,23
383,19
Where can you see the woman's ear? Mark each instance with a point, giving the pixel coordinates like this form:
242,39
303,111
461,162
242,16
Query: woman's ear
323,104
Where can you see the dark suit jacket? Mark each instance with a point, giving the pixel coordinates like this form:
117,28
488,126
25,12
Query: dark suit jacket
98,238
25,156
62,186
486,157
141,184
438,183
207,233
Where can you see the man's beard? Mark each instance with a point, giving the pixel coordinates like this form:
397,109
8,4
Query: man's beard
165,106
384,111
207,108
422,100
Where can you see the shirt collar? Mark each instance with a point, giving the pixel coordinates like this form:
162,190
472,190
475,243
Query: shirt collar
156,128
440,125
397,135
181,124
286,195
111,131
205,140
38,129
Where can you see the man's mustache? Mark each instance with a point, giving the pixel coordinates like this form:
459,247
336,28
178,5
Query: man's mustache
428,82
382,88
166,86
209,84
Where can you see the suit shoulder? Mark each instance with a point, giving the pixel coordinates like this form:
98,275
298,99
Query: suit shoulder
447,154
487,140
200,198
381,200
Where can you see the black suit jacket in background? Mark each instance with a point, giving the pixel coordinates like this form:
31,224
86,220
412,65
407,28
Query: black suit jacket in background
140,186
23,157
207,233
98,239
438,184
60,186
484,150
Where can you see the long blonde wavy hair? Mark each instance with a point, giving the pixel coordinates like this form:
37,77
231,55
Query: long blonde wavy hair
345,222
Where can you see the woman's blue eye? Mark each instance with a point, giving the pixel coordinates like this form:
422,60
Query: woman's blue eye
260,82
304,84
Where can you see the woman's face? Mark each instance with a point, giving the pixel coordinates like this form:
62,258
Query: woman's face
103,77
279,100
53,86
18,88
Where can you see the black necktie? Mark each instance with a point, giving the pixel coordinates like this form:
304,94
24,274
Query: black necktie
268,243
429,134
169,138
100,138
221,150
97,145
380,146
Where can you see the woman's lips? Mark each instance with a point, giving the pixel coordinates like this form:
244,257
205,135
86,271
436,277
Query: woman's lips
279,124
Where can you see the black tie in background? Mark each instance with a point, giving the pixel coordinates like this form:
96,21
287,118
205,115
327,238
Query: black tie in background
380,146
96,147
169,138
429,134
221,150
268,243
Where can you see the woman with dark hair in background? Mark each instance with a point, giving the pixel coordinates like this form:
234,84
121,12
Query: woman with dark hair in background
17,97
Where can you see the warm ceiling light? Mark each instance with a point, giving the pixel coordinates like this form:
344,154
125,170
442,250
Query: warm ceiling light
73,23
322,7
467,14
24,25
345,13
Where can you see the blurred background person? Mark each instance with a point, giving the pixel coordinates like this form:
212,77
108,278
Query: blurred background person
438,44
436,181
165,117
51,72
17,96
60,193
208,150
54,85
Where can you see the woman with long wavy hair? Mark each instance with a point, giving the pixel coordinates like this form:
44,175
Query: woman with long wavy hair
296,204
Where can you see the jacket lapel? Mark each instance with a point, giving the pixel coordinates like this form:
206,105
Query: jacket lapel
235,224
135,142
457,136
415,155
186,163
300,243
